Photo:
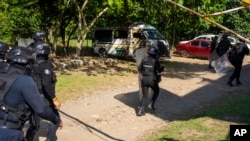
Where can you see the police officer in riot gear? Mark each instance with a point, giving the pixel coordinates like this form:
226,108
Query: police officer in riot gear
223,45
45,78
236,57
20,95
38,37
213,45
149,68
3,51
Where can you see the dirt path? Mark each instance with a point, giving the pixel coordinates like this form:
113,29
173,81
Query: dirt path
110,114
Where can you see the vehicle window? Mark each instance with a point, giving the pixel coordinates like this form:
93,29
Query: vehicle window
203,38
195,43
137,35
121,34
204,44
152,34
104,36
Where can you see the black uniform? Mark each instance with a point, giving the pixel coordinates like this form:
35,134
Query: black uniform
31,45
149,68
223,46
214,44
23,94
45,78
236,57
3,64
3,50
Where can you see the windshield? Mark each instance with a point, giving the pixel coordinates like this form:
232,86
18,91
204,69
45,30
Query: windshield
153,34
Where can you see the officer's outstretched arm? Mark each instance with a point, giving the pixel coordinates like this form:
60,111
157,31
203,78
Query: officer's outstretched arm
34,100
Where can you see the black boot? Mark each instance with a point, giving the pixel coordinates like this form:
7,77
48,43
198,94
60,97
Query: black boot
210,66
151,106
230,83
141,111
238,83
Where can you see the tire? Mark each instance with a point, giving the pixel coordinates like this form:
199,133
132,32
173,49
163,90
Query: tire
185,53
103,53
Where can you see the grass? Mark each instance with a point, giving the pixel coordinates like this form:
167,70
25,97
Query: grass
80,84
83,83
68,86
212,125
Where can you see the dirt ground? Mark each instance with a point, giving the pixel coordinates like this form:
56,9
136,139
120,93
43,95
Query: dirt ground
109,115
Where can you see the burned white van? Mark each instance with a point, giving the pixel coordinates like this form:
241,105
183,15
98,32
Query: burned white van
121,41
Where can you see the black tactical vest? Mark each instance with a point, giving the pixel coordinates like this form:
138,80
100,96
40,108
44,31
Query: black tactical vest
36,75
148,68
22,112
7,78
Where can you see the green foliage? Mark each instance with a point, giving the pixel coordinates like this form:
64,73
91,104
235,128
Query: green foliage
23,21
123,11
239,20
19,18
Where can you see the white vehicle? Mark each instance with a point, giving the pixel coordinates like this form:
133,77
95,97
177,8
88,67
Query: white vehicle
206,37
210,37
248,45
124,39
203,37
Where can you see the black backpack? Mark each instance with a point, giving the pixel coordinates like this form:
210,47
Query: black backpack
235,52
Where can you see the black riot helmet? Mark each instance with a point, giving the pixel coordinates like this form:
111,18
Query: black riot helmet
225,36
3,50
39,35
41,49
153,51
4,47
20,55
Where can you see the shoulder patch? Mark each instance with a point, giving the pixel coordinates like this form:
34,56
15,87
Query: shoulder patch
46,71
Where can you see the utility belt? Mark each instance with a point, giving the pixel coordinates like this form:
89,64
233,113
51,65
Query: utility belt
9,125
148,73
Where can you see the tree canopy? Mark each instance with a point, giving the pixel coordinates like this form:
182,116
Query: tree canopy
76,19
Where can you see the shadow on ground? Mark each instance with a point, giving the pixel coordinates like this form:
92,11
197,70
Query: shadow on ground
170,106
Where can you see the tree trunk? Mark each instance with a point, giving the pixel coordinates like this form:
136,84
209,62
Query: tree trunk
83,28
